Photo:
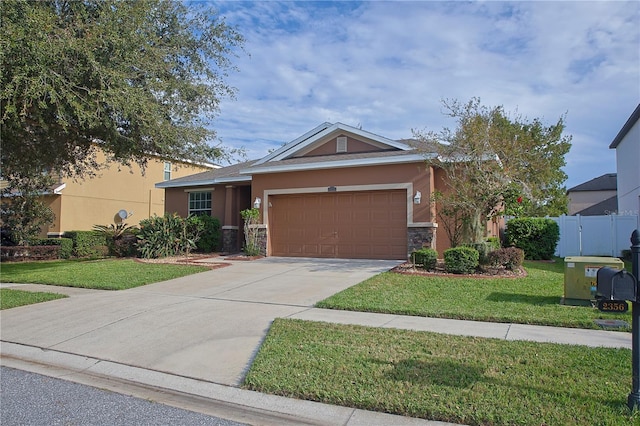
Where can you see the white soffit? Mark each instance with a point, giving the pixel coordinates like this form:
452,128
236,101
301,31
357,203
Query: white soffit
215,181
360,162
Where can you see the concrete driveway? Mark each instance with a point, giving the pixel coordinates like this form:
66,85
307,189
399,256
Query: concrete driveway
206,326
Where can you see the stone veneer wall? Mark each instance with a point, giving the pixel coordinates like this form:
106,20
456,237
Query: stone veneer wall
230,239
419,237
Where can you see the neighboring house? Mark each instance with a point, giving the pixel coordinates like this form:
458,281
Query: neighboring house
80,204
627,146
336,191
595,197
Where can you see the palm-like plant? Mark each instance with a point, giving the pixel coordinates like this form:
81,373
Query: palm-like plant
120,237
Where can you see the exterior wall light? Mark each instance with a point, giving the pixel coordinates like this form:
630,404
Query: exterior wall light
417,198
257,202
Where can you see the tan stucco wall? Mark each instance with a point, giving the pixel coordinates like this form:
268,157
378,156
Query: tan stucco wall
177,201
54,203
580,200
96,201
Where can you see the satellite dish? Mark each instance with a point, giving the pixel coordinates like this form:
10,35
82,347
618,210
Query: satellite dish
123,214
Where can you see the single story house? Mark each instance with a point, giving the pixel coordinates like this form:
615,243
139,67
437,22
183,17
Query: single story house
336,191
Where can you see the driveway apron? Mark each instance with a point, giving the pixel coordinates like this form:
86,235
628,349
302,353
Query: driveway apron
206,326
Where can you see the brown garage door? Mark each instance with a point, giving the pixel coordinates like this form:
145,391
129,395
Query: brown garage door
348,225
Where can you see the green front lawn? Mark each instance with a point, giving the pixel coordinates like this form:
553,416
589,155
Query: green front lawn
467,380
534,299
107,274
10,298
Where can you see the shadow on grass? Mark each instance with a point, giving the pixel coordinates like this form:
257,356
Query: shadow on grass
454,374
523,298
439,373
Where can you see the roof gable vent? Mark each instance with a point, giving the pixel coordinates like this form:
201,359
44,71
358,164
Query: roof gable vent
341,144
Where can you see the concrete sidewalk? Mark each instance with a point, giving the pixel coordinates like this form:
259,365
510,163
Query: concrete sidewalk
255,408
188,342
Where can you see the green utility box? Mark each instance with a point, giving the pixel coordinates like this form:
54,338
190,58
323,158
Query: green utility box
580,277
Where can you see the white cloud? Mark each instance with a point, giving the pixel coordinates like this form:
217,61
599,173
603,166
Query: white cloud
387,65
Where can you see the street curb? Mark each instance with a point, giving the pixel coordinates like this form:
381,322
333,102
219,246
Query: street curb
188,393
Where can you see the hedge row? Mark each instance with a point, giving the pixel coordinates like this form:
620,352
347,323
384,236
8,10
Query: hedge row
466,260
538,237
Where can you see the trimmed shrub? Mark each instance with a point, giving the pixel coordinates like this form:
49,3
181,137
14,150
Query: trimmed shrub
425,257
25,253
87,243
484,248
125,246
66,245
538,237
168,235
211,237
494,243
461,260
509,257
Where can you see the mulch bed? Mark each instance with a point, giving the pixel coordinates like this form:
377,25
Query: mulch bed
242,257
409,268
187,260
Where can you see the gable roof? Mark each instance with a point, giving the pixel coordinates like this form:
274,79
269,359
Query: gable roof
633,119
290,157
322,131
606,182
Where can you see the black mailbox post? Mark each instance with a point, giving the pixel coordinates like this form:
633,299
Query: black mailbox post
634,397
616,284
615,288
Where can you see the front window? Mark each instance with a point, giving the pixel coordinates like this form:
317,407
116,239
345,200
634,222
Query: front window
167,170
200,203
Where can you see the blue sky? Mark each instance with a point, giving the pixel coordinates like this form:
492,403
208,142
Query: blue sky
387,66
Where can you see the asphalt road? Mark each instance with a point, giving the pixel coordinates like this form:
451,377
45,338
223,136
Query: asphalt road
32,399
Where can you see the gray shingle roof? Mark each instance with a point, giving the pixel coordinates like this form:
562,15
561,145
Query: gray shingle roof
606,182
209,177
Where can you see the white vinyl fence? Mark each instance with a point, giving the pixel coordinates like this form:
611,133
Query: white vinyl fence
595,235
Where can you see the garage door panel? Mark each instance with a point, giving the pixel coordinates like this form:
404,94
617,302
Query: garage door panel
368,224
294,249
396,234
327,217
381,234
310,250
328,250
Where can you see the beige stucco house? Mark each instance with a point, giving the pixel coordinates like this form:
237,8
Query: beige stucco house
336,191
595,197
80,204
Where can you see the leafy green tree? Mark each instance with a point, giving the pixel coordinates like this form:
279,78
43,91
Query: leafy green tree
495,163
127,77
24,214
